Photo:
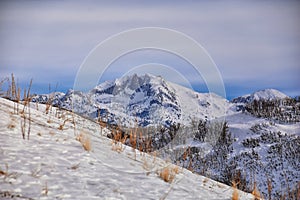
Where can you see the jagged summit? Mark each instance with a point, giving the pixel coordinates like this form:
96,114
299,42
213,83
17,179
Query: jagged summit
145,99
127,84
266,94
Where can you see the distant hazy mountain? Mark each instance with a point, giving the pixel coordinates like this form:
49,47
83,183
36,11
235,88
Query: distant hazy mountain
267,94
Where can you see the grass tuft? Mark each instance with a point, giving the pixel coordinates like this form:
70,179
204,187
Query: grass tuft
168,173
85,141
118,141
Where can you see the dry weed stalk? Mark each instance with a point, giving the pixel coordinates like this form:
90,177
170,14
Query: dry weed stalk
85,141
269,188
11,126
255,192
13,91
36,105
29,121
23,125
18,98
235,194
27,100
118,142
2,93
298,191
154,155
61,126
45,189
132,140
190,167
7,174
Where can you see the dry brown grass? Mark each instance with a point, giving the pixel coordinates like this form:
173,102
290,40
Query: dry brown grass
85,141
74,167
205,180
176,169
11,126
102,124
256,192
2,172
118,142
61,126
168,173
270,188
235,194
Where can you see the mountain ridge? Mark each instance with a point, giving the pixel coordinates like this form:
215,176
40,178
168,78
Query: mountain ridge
150,100
145,99
265,94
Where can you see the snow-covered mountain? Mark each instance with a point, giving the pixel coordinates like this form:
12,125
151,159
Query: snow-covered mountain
143,100
266,94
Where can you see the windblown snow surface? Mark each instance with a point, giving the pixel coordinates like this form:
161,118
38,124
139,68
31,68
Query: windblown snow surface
52,164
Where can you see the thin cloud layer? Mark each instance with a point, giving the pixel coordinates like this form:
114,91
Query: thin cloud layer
251,42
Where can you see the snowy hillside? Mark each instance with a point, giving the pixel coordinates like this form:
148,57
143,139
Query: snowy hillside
266,153
144,100
254,152
53,164
267,94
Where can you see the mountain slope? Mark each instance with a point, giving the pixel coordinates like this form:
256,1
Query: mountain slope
52,164
266,94
144,100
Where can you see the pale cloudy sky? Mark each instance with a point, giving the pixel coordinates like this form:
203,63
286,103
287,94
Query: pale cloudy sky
255,44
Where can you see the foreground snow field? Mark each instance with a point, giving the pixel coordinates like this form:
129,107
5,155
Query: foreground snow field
52,164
